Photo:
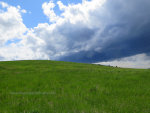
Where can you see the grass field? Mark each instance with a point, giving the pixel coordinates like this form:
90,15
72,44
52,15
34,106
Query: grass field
63,87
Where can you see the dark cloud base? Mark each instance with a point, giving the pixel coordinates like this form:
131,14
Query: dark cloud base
124,47
127,33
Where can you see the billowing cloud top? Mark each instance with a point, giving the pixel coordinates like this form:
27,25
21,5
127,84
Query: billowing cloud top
91,31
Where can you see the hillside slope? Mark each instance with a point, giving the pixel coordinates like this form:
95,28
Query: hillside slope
64,87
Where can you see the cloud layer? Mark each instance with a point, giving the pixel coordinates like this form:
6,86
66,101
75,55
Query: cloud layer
136,61
91,31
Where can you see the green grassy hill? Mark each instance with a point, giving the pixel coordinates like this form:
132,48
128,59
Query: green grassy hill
63,87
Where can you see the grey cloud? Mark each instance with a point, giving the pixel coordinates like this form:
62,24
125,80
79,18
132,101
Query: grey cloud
1,58
125,32
76,35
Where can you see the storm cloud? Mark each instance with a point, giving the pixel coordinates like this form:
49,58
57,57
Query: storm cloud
124,30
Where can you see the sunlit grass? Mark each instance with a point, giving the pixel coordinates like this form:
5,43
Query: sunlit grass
63,87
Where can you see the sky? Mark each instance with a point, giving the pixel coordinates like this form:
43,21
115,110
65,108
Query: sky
108,32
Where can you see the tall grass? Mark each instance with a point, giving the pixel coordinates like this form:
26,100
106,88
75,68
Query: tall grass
64,87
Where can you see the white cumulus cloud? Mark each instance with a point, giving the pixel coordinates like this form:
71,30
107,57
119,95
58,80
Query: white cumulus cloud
11,23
